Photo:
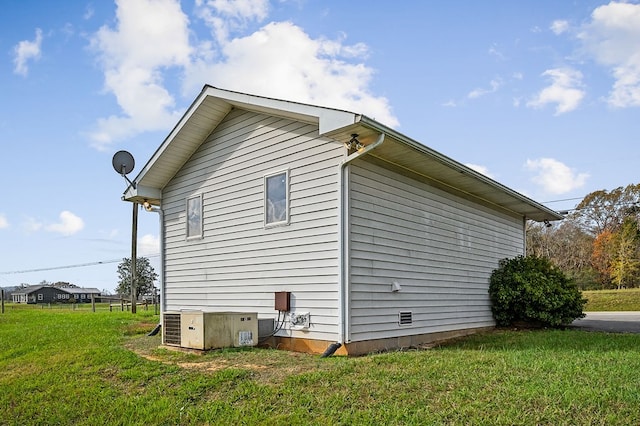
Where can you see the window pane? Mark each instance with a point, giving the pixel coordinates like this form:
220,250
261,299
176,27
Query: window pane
276,205
194,217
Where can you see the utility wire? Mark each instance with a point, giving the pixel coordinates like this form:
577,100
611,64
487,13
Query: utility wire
79,265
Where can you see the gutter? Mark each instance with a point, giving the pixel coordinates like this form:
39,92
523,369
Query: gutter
343,242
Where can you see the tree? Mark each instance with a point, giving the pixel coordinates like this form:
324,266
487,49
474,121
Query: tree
567,246
145,277
602,256
625,265
63,284
606,210
592,244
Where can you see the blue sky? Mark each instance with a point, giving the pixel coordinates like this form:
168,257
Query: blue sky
541,95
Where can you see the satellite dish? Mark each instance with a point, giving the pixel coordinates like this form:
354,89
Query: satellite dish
123,164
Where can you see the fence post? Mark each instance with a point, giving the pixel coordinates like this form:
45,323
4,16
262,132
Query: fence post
93,302
2,297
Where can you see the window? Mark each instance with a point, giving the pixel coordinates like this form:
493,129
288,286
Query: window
276,198
40,296
194,216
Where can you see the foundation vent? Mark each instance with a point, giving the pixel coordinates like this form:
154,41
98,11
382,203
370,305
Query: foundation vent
405,318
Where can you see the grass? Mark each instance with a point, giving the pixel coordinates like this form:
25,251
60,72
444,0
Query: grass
79,367
612,300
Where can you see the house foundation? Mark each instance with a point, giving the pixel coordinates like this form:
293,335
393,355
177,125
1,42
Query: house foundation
368,346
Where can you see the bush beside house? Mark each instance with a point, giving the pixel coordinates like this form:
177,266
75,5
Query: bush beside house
530,289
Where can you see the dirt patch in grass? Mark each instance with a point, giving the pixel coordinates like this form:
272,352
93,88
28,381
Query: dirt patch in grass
270,365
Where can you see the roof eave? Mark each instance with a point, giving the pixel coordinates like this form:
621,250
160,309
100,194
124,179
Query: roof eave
538,211
148,187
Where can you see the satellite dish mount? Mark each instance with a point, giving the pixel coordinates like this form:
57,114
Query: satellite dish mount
123,164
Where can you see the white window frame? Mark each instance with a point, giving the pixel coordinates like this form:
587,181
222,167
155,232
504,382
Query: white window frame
268,205
198,219
40,296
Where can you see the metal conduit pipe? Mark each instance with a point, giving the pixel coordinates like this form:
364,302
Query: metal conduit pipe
342,244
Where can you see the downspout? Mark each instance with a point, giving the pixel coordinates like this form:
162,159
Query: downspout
163,302
524,235
343,249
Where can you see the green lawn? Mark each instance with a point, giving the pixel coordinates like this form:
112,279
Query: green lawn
612,300
78,367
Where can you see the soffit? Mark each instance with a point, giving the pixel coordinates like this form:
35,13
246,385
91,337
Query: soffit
443,171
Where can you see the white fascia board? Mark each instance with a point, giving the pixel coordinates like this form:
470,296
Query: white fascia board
328,119
161,149
142,192
331,120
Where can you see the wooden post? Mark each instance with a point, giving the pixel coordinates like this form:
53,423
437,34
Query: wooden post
93,302
2,297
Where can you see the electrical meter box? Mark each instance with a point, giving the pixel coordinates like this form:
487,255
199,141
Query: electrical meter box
211,330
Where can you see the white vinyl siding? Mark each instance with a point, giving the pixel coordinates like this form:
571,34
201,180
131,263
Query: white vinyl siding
440,248
239,264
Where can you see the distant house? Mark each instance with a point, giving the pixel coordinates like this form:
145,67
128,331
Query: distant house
337,227
51,294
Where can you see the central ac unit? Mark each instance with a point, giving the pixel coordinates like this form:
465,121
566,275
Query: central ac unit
211,330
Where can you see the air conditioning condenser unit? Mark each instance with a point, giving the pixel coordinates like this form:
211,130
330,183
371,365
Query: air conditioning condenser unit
210,330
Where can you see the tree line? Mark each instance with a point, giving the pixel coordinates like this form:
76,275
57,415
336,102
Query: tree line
598,242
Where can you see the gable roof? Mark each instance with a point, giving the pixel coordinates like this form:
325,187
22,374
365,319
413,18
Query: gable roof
213,104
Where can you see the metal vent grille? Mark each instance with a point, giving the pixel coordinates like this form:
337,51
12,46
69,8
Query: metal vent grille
405,318
171,329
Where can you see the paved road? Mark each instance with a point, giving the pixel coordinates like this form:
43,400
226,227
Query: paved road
613,322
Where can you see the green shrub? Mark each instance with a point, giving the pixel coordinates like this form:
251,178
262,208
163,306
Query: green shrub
531,290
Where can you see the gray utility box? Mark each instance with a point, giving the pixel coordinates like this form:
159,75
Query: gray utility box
210,330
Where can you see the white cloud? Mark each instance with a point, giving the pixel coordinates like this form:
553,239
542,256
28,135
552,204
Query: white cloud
559,26
493,51
152,36
69,224
31,225
148,245
226,16
554,176
4,223
89,11
314,71
564,91
612,38
494,86
25,51
480,169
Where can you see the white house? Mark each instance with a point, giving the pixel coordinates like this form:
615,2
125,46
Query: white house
378,241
